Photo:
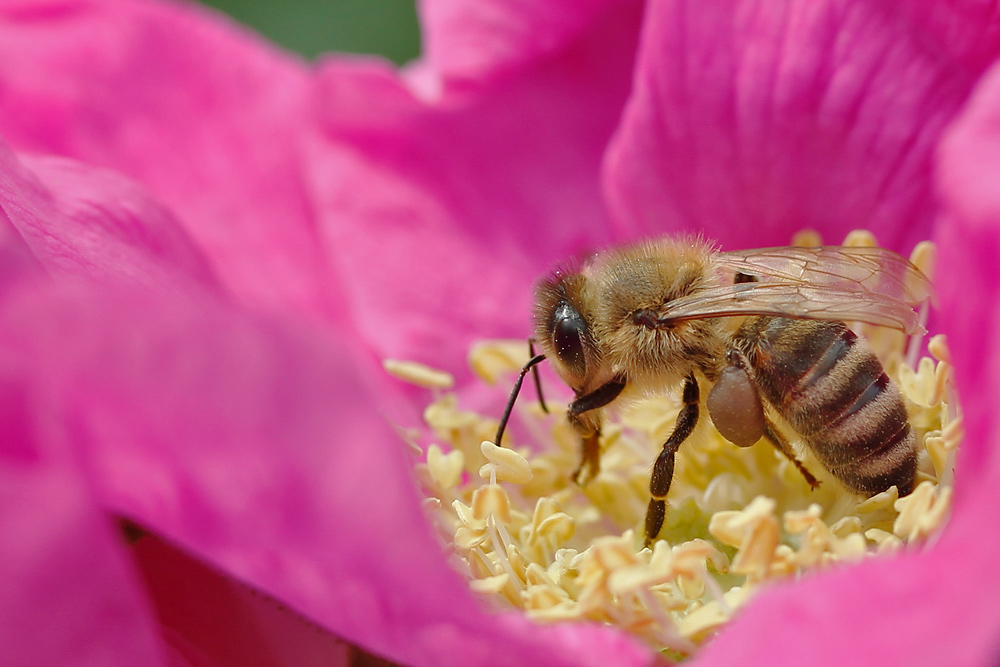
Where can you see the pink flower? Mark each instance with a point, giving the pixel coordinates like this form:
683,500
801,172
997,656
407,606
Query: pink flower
207,245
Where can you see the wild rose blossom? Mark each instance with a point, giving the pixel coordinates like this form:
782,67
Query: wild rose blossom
207,244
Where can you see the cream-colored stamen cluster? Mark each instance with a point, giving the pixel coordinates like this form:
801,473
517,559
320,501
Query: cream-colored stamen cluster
527,537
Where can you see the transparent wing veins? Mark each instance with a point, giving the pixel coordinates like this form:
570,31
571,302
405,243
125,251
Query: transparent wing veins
826,283
845,268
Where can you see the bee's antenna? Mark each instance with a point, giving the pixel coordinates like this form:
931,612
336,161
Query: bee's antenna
538,379
534,361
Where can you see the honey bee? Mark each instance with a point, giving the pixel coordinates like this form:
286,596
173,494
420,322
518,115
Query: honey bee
765,329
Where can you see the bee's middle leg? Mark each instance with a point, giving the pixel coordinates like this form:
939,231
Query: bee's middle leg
583,415
663,468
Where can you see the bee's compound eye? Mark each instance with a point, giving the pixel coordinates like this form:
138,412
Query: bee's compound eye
735,407
568,330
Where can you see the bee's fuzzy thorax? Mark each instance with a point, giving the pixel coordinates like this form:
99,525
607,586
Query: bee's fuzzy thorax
645,279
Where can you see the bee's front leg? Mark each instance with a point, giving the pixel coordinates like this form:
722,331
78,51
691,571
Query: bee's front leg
583,415
590,453
663,468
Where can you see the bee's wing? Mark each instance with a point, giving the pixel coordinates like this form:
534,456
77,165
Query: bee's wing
799,300
842,268
823,283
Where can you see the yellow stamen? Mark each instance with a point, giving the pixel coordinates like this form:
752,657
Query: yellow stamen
418,374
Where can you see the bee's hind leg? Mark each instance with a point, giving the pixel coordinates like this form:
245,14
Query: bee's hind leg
783,446
663,468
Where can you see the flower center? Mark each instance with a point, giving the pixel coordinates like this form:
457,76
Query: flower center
738,518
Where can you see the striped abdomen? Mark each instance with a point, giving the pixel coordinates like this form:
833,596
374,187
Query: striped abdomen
829,386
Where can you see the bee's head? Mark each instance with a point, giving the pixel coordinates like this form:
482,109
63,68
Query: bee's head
563,330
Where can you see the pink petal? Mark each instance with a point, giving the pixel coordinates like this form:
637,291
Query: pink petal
204,115
208,619
68,595
969,238
257,445
16,259
442,212
966,30
752,120
946,595
83,222
474,41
